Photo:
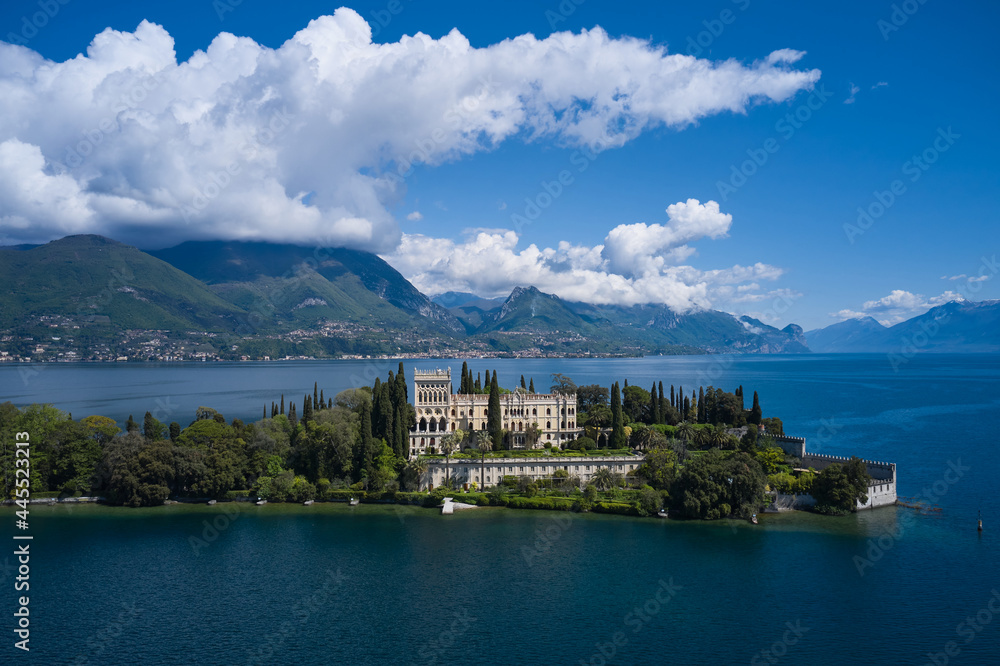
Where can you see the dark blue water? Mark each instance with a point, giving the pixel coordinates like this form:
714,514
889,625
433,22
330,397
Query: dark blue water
329,584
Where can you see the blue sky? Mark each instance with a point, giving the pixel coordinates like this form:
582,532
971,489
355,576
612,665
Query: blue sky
890,86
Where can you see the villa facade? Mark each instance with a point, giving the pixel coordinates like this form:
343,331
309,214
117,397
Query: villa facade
440,412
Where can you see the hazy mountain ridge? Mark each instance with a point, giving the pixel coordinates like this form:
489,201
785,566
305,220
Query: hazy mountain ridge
301,292
957,326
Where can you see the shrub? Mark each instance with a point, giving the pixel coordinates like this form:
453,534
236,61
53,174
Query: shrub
649,502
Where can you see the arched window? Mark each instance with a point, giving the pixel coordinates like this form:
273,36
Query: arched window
534,412
548,412
423,425
442,424
484,426
548,436
452,411
432,441
422,441
453,427
548,425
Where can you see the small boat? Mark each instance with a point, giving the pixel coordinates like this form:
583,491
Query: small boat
307,503
354,501
662,513
753,519
211,502
980,520
261,502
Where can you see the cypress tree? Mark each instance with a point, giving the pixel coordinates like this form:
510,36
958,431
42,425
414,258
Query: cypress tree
282,404
274,409
264,417
523,385
307,408
175,431
673,403
739,392
654,406
617,419
464,387
663,406
694,403
401,378
315,393
366,426
292,418
383,417
680,403
148,426
701,405
399,446
494,423
626,382
755,411
687,408
329,403
531,385
131,425
479,385
322,400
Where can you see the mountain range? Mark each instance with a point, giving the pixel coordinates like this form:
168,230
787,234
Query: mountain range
957,326
256,299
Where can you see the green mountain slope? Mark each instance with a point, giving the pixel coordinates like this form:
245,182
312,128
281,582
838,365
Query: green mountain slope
304,285
95,279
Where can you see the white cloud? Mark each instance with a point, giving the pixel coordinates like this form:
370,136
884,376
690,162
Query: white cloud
415,216
967,278
641,249
852,94
303,143
880,84
898,306
636,264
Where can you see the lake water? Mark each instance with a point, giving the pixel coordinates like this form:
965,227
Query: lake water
331,584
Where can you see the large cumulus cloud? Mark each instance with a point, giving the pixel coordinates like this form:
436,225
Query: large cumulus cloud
636,264
310,142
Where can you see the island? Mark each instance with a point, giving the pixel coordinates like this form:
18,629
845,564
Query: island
667,451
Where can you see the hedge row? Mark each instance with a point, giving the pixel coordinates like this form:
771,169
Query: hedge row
619,508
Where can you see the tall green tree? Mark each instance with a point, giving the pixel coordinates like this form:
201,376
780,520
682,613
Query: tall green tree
531,385
494,420
755,411
618,439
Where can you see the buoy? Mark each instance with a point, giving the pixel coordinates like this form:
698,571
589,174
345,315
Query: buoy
980,520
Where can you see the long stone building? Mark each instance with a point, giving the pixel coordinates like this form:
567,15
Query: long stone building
466,471
439,412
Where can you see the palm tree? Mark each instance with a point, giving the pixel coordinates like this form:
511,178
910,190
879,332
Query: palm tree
603,478
685,431
416,469
718,438
448,445
485,444
532,434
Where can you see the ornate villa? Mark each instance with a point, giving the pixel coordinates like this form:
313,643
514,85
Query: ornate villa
439,412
